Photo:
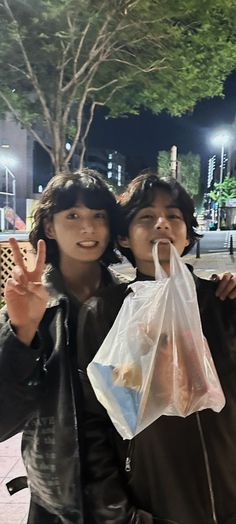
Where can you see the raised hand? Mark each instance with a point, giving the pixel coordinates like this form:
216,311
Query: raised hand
25,295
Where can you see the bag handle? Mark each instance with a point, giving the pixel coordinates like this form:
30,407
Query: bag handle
176,264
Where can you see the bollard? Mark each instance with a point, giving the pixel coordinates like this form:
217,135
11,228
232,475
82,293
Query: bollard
198,248
231,247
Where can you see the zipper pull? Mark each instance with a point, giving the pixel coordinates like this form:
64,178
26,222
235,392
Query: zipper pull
128,464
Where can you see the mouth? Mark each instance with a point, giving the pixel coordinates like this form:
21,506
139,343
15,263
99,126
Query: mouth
162,240
87,244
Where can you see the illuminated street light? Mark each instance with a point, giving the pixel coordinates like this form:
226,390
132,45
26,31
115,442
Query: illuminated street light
222,138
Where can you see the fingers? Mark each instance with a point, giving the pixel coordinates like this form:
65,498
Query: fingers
17,256
227,286
12,286
19,275
40,259
35,288
38,290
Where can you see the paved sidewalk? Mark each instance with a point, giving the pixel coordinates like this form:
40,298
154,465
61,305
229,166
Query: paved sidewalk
13,510
212,263
204,266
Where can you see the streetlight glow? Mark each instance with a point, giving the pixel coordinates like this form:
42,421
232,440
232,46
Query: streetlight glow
222,137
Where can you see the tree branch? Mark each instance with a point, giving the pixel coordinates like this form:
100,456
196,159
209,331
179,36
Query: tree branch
102,87
93,54
15,68
81,109
79,49
91,115
31,74
156,66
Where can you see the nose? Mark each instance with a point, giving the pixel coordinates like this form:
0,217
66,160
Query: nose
87,225
162,224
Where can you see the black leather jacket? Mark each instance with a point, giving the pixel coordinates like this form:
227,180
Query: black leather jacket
177,471
40,395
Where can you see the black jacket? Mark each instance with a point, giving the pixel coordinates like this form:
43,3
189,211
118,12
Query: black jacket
177,471
40,395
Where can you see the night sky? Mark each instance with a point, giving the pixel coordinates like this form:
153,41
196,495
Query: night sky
140,137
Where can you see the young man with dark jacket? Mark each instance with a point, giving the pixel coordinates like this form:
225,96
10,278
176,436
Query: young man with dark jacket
178,470
40,394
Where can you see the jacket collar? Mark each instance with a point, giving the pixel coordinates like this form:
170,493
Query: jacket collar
54,282
142,276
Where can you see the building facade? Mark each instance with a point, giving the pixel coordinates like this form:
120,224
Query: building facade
30,167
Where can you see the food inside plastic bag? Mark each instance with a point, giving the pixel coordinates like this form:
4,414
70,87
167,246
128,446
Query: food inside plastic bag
155,360
128,375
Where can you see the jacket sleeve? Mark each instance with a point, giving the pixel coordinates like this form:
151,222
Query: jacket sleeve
20,369
107,500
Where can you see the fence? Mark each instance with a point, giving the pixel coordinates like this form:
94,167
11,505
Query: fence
6,261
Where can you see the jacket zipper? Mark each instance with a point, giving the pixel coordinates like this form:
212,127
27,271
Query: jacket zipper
66,320
128,459
67,343
208,472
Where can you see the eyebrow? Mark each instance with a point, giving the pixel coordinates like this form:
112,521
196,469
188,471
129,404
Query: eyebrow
169,206
173,206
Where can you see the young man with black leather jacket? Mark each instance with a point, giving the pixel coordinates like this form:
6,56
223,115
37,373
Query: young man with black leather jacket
178,470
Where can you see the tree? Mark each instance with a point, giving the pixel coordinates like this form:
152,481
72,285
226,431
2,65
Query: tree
163,164
189,169
60,59
223,191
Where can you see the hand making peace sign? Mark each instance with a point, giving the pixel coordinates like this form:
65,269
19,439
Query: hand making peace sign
26,297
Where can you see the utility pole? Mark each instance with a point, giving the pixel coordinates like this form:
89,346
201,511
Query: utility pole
221,180
173,161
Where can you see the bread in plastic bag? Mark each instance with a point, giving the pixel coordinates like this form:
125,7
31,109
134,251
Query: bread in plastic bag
155,360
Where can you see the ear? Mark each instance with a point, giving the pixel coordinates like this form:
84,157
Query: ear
187,242
49,229
123,241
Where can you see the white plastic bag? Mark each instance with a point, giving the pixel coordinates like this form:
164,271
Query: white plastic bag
155,360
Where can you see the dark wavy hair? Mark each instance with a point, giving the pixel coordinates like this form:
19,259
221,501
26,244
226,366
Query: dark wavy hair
62,192
141,192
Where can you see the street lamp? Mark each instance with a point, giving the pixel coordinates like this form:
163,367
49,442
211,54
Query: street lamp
221,138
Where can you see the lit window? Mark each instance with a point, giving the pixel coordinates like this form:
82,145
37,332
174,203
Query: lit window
110,156
109,174
119,168
109,165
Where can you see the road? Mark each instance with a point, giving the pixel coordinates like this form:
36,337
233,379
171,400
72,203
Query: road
217,241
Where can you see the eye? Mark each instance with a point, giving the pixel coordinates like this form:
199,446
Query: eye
147,216
72,215
174,216
101,215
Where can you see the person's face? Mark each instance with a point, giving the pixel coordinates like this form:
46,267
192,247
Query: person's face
82,234
160,221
